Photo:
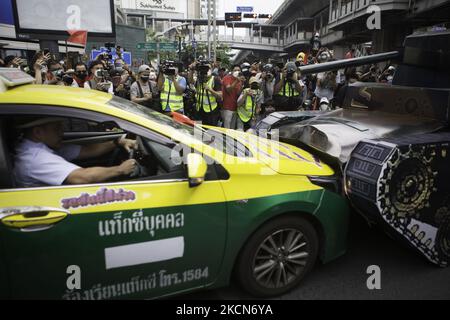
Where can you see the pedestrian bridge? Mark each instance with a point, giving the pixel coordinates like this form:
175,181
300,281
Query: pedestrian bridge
259,37
257,43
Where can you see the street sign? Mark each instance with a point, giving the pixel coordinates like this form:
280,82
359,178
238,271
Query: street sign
233,16
168,46
250,15
126,56
146,46
244,9
152,46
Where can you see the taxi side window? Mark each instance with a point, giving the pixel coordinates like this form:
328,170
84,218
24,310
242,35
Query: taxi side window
82,125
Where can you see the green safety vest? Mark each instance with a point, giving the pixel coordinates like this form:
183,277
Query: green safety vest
247,111
206,100
289,90
170,99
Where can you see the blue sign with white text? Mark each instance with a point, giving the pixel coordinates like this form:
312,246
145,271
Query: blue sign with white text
244,9
126,56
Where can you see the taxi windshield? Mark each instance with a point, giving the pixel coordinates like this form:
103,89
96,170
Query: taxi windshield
150,114
212,138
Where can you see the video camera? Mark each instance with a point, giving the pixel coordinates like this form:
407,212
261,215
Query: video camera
203,67
169,68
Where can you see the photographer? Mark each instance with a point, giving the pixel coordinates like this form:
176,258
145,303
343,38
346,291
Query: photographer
268,80
388,75
80,76
144,91
325,86
371,75
231,88
209,91
288,90
54,75
39,63
171,87
249,105
99,80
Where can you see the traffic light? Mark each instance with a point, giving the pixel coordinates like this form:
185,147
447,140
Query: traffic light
265,16
250,15
233,16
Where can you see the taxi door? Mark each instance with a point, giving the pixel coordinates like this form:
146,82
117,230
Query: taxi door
138,239
112,241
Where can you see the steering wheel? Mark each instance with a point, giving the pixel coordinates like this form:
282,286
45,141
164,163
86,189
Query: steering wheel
139,170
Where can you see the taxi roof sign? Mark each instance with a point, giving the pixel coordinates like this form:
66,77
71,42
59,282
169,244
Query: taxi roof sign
11,77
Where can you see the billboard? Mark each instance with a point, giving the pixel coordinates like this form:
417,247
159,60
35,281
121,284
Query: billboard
155,5
50,19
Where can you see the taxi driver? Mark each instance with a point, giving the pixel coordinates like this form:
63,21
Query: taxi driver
41,160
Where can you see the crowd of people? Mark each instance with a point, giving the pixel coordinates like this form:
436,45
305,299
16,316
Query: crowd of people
234,98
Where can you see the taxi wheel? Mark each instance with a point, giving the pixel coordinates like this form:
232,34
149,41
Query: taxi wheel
277,256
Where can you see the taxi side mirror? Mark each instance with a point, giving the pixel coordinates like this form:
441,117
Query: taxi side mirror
196,167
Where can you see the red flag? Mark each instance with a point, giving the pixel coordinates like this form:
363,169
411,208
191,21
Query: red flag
78,36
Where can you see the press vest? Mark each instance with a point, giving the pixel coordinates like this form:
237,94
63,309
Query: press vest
170,99
289,90
248,110
206,100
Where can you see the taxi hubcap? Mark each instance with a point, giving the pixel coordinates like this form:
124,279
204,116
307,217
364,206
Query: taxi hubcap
280,258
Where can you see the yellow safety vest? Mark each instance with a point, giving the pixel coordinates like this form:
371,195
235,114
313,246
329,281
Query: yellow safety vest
170,99
289,90
247,111
205,99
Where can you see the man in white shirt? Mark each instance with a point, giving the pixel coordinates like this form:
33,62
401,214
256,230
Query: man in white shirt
41,159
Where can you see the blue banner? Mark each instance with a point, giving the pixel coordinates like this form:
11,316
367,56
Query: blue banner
244,9
6,12
126,56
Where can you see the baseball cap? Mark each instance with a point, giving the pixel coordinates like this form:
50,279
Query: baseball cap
324,100
30,122
253,80
143,68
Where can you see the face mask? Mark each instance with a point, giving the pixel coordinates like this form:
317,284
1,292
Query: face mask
81,75
236,74
254,86
145,78
209,73
152,76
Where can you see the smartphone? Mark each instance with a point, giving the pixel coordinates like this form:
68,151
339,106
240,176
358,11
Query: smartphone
46,51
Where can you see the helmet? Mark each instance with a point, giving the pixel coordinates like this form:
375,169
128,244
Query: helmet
291,67
301,56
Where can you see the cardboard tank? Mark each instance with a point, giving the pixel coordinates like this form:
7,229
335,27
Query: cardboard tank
390,143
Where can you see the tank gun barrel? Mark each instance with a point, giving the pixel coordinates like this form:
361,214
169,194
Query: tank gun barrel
354,62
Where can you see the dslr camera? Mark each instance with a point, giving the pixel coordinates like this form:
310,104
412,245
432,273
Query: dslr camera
102,74
169,68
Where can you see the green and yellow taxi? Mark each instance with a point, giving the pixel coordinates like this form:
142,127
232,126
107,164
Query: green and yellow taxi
206,206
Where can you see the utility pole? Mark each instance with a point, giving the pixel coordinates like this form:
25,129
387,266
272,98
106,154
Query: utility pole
209,28
214,29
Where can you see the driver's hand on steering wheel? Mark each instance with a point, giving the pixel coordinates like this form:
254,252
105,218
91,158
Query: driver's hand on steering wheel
127,167
127,144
